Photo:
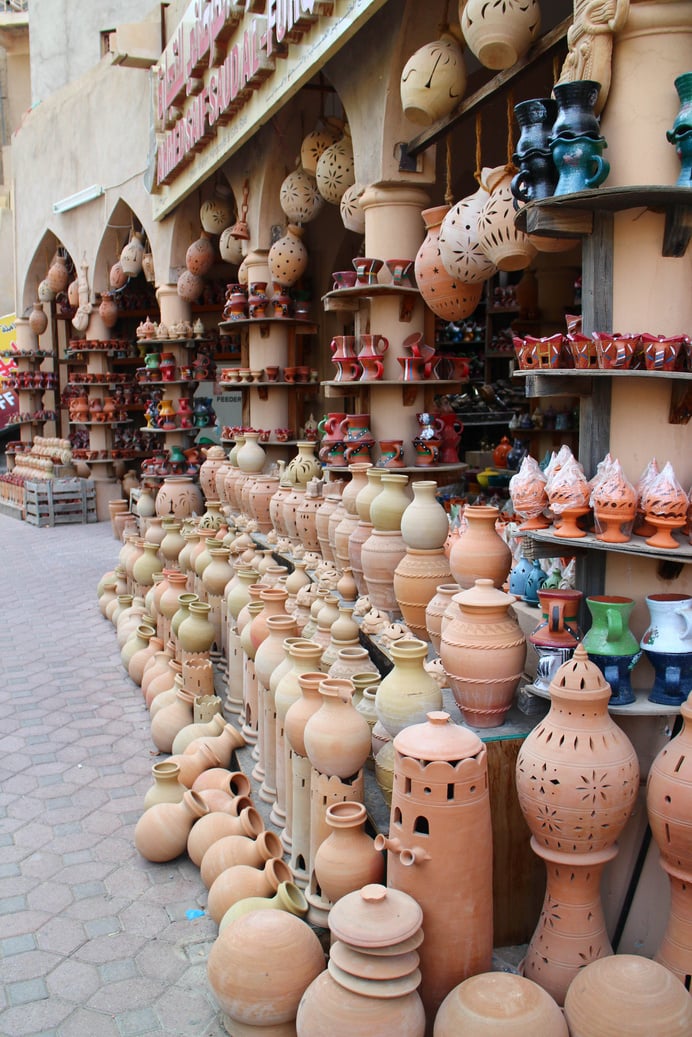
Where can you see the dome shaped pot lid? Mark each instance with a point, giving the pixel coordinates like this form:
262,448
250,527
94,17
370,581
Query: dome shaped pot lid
375,916
437,739
483,594
579,679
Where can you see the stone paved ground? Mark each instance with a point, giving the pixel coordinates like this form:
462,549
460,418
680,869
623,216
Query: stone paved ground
94,941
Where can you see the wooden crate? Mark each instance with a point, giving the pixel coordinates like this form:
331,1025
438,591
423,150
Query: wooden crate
11,499
56,502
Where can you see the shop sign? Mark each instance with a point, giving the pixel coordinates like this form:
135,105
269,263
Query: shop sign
227,68
9,403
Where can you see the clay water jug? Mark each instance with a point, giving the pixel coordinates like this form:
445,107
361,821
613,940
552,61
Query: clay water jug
347,859
217,825
337,737
238,849
388,506
195,633
408,692
243,880
415,582
162,831
558,632
611,645
166,787
424,522
480,552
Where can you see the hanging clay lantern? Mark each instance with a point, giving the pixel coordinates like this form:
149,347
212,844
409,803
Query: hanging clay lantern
352,215
460,251
230,248
190,286
299,197
446,296
108,309
148,267
45,292
117,277
57,276
317,141
131,255
73,292
499,33
38,321
433,81
504,245
200,256
288,257
335,170
216,213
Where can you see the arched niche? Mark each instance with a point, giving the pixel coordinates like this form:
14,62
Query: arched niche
121,222
38,267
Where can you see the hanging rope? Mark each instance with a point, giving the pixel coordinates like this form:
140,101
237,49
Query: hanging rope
511,168
449,197
479,169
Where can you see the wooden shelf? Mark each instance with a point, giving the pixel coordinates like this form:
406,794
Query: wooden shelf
169,431
348,299
636,547
572,215
410,469
409,390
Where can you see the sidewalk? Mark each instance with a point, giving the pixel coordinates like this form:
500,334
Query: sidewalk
94,940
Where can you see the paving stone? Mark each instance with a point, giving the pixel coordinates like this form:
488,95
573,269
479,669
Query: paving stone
61,934
17,945
74,981
139,1023
23,991
84,1022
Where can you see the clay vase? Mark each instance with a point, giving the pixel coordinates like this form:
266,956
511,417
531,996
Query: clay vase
611,645
496,1003
625,993
483,652
380,555
170,719
195,633
255,946
193,763
298,789
507,247
347,859
241,881
577,782
337,738
416,579
218,825
288,897
446,296
388,506
162,831
408,692
424,522
667,644
223,744
269,656
166,787
238,849
480,552
670,816
179,497
435,611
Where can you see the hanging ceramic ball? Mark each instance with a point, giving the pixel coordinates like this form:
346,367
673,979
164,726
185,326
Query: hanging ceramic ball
131,255
242,274
460,250
288,257
45,292
318,140
499,33
57,276
335,169
299,197
190,286
504,245
446,296
117,278
73,292
433,81
352,215
200,256
38,321
230,248
216,213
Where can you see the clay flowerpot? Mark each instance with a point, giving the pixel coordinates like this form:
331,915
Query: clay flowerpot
480,552
483,652
347,860
162,831
577,782
447,296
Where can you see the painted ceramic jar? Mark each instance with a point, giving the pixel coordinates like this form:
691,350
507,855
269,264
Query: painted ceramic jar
179,497
557,634
611,645
667,644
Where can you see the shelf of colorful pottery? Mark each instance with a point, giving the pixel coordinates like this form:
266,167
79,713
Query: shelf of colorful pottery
572,215
409,389
349,298
145,382
188,341
125,421
37,354
299,324
169,431
271,442
636,546
641,707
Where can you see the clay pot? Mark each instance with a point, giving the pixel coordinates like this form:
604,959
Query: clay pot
179,497
416,579
480,552
238,849
166,787
435,611
336,737
334,171
505,246
253,947
200,256
433,81
288,257
408,692
388,506
170,719
38,319
195,633
347,859
624,993
461,255
499,36
243,880
577,783
162,831
446,296
483,652
222,745
233,783
288,897
298,196
353,1015
499,1003
380,555
217,826
424,522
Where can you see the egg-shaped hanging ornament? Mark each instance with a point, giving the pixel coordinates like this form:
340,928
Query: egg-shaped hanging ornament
299,197
506,246
200,256
132,255
117,278
190,286
433,81
217,212
352,215
288,257
501,32
326,132
230,248
336,169
45,292
460,250
448,297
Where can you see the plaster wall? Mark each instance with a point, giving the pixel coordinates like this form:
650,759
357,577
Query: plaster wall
66,38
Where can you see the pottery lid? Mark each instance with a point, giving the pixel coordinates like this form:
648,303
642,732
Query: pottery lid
371,966
375,916
439,738
484,594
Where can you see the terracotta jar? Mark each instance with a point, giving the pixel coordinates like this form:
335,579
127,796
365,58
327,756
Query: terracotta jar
496,1003
224,743
166,787
424,523
440,813
179,497
625,993
446,296
408,692
483,652
297,716
288,897
507,247
199,729
458,239
416,579
146,565
347,859
196,634
670,815
214,458
388,506
194,761
263,489
327,507
162,831
351,660
218,825
380,555
238,849
337,738
304,657
499,37
577,782
268,657
258,945
558,633
435,611
480,552
243,880
168,720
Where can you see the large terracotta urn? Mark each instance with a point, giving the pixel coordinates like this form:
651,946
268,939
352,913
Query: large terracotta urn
480,552
179,497
415,583
447,296
380,555
577,781
493,1004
